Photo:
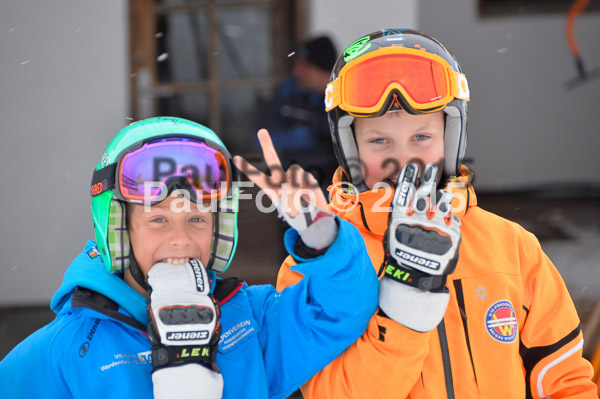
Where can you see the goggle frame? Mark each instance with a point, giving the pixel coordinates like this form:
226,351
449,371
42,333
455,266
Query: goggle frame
456,83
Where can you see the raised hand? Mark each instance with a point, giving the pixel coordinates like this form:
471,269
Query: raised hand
184,331
296,193
284,187
422,243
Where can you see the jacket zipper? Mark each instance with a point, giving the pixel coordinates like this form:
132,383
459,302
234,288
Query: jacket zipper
463,315
446,360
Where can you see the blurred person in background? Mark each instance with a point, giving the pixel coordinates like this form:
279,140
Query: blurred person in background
295,117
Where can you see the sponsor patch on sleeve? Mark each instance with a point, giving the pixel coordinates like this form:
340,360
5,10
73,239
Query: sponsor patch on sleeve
93,252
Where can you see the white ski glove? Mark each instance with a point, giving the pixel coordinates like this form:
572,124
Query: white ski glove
422,242
317,228
184,331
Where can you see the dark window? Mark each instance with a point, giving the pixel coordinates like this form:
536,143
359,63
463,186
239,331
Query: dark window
210,61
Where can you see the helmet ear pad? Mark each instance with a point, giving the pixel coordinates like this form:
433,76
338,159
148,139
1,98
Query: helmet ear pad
224,240
119,245
349,150
117,237
455,139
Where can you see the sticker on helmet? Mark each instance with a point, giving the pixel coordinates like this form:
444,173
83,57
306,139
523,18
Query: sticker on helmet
393,34
357,48
104,159
501,322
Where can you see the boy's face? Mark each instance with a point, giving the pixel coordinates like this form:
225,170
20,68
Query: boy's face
388,142
172,231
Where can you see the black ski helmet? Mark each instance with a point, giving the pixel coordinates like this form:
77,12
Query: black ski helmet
340,121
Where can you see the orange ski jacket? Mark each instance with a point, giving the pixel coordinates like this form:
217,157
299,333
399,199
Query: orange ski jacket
510,330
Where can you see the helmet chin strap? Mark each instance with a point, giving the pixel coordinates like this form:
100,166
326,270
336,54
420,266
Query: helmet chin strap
350,152
136,272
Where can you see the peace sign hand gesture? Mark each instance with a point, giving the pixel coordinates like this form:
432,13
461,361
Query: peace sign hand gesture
296,193
423,239
288,189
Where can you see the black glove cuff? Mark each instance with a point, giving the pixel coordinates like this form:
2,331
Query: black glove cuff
306,252
412,277
168,356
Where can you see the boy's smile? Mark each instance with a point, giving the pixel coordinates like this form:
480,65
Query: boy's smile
169,232
387,143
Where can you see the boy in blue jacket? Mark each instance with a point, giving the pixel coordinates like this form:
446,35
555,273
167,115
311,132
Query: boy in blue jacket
141,313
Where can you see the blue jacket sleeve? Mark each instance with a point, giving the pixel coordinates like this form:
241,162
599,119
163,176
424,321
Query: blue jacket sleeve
308,325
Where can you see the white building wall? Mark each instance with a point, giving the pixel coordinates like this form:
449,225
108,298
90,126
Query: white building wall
63,95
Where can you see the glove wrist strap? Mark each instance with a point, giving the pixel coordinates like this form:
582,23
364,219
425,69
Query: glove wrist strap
412,277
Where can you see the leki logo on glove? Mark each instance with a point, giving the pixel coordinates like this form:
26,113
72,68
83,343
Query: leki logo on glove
187,335
197,268
195,352
397,274
501,322
418,260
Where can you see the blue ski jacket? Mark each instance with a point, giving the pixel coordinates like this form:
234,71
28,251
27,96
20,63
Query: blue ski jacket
271,342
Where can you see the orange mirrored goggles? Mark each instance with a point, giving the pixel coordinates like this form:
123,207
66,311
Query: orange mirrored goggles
425,81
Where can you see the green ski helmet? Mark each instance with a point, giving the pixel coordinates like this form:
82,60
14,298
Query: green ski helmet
109,208
377,86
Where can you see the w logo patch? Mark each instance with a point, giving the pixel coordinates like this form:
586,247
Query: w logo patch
501,322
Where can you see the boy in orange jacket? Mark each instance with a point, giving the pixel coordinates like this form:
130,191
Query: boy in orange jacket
469,304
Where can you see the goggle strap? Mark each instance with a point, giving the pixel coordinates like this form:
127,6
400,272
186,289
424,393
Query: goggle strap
460,86
103,179
332,95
